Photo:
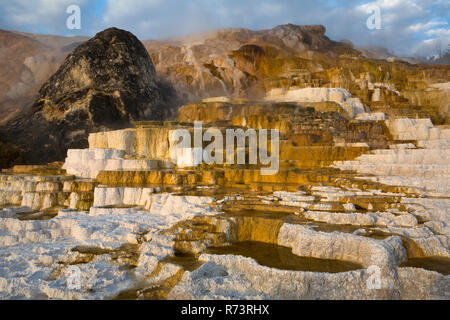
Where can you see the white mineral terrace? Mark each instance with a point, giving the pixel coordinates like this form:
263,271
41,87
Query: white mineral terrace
425,167
87,163
370,227
31,251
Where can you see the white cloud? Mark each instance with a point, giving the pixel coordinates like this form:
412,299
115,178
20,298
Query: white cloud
441,32
420,27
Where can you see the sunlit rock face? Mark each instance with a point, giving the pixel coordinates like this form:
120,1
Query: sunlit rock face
416,129
320,123
231,61
149,141
240,63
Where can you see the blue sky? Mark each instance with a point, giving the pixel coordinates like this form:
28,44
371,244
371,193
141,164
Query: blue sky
408,27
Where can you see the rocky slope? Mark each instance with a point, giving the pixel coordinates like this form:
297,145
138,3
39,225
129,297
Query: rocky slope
249,64
28,60
106,82
236,62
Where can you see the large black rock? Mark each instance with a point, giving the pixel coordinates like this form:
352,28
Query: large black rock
105,83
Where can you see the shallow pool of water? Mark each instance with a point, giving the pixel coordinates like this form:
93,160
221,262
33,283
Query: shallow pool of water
280,257
438,264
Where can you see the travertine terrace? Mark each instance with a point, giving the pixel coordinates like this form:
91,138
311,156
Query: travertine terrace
372,197
359,208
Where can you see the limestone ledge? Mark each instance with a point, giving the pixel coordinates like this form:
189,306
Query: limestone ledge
426,168
237,277
306,242
87,163
40,192
363,219
416,129
422,223
153,202
150,142
352,106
